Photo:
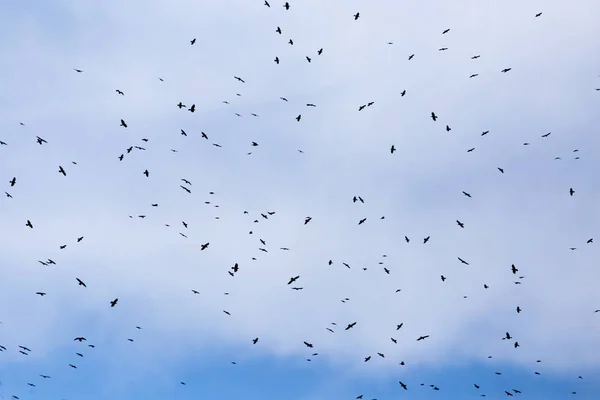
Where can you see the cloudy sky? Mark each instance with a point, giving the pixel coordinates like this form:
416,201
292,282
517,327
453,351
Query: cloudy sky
308,168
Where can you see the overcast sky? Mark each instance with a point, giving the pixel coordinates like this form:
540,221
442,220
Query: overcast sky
314,167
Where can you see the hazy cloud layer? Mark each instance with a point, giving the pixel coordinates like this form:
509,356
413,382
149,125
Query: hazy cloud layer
524,216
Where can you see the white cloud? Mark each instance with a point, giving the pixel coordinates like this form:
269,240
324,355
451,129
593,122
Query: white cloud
524,216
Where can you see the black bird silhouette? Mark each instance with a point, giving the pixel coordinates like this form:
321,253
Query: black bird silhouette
356,16
254,341
192,108
426,239
308,344
29,224
294,279
466,194
462,261
538,14
505,70
77,70
392,149
114,302
193,41
410,57
514,269
239,79
123,124
61,170
286,5
13,181
350,325
433,116
403,385
422,337
298,117
571,191
146,173
320,51
446,31
204,246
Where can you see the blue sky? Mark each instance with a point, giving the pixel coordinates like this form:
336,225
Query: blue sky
523,216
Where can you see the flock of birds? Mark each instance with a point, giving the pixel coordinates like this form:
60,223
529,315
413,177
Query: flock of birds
294,281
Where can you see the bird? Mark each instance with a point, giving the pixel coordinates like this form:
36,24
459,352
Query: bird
61,170
77,70
571,191
41,293
123,124
392,149
356,16
239,79
505,70
445,31
433,116
114,302
193,41
403,385
538,14
286,5
29,224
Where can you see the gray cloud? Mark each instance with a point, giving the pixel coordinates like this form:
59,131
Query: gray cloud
524,216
